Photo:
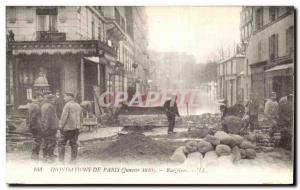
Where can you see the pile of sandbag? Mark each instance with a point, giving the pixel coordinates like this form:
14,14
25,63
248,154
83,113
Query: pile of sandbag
266,140
204,120
220,148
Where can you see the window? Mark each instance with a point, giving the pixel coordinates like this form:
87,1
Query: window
29,15
47,23
290,40
99,31
259,18
273,13
93,30
11,14
247,65
273,46
259,50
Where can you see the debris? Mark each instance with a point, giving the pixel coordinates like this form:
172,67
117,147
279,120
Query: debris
204,146
246,144
212,139
223,150
179,155
191,146
135,146
250,153
225,138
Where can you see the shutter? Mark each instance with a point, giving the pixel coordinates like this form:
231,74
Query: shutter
276,44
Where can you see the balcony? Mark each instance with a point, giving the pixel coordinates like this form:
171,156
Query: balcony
46,36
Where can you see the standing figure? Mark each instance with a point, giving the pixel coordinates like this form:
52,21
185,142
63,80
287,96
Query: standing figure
271,109
70,124
49,127
34,124
171,109
253,107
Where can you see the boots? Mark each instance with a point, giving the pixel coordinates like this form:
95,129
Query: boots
61,154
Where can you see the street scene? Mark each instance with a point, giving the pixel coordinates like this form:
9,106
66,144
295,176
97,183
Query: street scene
200,91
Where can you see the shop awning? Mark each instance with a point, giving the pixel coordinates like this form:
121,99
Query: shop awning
92,59
280,67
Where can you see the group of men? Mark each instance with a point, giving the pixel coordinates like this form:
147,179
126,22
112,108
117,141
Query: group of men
49,117
279,113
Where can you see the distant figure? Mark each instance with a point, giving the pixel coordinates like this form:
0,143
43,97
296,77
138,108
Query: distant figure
252,107
272,109
34,124
70,124
171,110
49,127
10,36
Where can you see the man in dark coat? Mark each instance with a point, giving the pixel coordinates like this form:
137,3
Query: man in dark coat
253,108
49,127
34,124
171,110
69,126
59,104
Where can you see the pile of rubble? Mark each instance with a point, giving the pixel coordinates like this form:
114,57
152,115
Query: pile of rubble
213,149
136,146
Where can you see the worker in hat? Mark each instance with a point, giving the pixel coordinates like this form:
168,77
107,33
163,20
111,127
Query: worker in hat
34,123
252,110
171,110
49,127
69,126
272,107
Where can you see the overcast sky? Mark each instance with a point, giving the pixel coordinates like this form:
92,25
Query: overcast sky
196,30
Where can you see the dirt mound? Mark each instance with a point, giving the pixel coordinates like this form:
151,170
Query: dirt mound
136,146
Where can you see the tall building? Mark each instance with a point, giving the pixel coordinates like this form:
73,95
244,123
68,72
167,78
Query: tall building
270,51
85,50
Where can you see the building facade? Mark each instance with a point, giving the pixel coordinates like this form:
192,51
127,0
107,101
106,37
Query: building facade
232,79
84,50
270,52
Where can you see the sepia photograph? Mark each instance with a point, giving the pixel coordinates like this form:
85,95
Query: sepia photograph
159,95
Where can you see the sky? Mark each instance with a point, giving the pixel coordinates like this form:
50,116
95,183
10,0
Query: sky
200,31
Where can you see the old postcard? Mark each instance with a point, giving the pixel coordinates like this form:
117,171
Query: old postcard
150,95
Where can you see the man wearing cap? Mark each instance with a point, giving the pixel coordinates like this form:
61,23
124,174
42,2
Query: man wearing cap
49,127
272,107
252,107
171,109
69,127
34,124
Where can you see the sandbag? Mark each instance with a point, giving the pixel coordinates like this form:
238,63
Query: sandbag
237,138
199,132
210,159
204,146
212,139
223,150
179,154
233,124
243,153
225,138
250,153
236,153
191,146
194,160
246,144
